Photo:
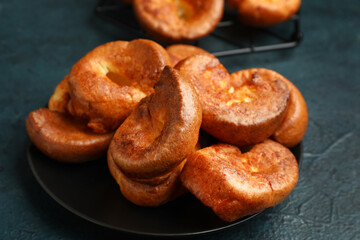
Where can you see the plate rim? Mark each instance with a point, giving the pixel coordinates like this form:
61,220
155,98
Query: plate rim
142,233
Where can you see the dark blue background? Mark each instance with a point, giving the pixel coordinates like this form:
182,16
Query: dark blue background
41,40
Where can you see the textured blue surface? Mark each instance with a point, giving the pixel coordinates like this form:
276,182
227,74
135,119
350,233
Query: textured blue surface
41,40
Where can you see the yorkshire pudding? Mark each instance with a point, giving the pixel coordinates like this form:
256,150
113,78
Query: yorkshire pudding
264,13
235,185
94,98
178,20
178,52
63,138
107,83
294,125
149,148
60,98
243,108
149,192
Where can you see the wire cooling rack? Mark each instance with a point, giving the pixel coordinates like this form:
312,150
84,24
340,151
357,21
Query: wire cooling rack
229,37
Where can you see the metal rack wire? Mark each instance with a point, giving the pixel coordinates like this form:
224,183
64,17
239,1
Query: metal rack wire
231,36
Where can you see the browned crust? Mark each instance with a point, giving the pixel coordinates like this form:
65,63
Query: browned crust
161,20
294,125
178,52
149,192
161,131
63,138
232,4
265,13
100,100
60,98
235,185
242,109
152,191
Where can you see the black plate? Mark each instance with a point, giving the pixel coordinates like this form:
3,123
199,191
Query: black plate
89,191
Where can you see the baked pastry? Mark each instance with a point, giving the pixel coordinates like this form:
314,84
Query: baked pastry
149,192
264,13
294,125
178,20
148,150
60,98
94,98
178,52
236,185
108,82
61,136
243,108
64,138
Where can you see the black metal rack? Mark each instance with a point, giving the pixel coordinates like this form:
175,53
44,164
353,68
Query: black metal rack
230,35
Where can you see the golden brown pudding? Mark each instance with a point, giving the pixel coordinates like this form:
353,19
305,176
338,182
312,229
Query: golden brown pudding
294,125
64,138
108,82
243,108
178,20
236,184
178,52
96,96
264,13
153,142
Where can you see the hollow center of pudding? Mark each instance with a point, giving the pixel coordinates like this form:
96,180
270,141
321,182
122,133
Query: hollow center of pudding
184,10
243,94
269,1
119,79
